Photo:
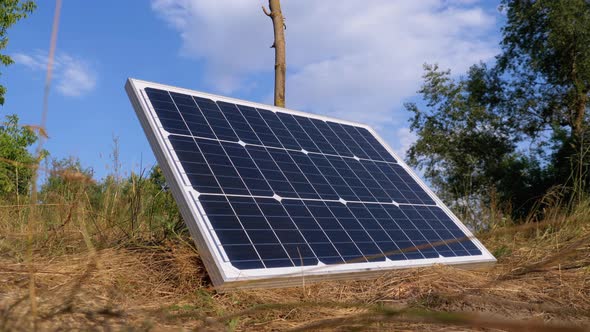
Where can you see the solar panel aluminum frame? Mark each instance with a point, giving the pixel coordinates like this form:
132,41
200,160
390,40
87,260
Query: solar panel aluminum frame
222,273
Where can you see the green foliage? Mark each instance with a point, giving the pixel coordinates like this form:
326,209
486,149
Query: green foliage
502,251
16,162
163,209
134,209
546,54
65,180
516,128
461,140
466,145
150,205
11,11
546,65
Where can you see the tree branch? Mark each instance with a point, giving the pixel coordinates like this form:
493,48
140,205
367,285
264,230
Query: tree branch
278,22
266,12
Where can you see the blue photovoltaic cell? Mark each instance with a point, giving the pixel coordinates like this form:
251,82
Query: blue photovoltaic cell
296,232
261,171
238,157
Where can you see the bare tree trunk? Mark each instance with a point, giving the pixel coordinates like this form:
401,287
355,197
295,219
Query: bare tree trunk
580,114
278,22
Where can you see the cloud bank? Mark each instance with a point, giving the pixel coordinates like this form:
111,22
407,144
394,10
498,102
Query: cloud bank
353,59
74,77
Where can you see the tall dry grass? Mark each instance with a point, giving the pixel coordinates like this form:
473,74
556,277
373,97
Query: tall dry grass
111,255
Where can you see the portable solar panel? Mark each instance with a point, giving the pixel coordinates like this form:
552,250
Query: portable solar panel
272,195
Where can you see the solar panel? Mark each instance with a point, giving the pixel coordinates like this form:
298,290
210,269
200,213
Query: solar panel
270,195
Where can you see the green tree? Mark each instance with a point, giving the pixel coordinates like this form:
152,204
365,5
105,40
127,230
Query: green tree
465,146
516,127
16,162
546,55
163,211
546,62
15,159
66,180
11,11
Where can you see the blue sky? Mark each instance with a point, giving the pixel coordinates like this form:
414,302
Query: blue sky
351,59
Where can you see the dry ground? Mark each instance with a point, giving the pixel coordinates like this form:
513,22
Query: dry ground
541,282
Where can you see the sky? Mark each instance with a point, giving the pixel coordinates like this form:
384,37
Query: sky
351,59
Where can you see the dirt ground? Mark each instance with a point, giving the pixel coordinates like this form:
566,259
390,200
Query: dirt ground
165,287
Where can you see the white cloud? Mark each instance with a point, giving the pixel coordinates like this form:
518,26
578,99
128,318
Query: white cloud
73,76
353,59
36,62
404,139
77,78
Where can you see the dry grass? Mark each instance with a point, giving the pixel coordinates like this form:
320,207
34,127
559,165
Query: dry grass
541,282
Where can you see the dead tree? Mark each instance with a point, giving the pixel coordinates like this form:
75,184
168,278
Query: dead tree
278,22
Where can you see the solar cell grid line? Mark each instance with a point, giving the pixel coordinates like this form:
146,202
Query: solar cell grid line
238,122
322,144
226,182
264,261
293,160
186,105
360,199
260,127
424,229
297,195
264,238
268,133
230,230
368,143
335,235
454,247
353,188
455,231
417,234
427,237
400,179
281,132
176,97
271,159
349,250
416,238
385,240
267,257
373,142
247,236
430,219
227,131
270,195
264,150
348,141
319,137
362,143
270,254
360,191
420,243
238,109
318,127
192,116
388,174
372,183
199,130
370,247
375,193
